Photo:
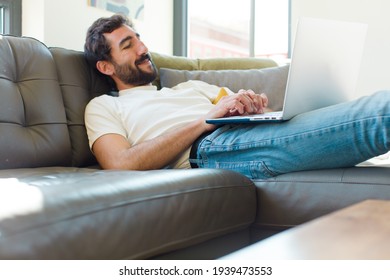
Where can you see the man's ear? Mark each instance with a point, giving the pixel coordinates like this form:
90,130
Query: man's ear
105,67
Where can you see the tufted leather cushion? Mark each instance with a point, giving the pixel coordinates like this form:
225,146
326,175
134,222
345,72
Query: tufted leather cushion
32,133
79,83
43,95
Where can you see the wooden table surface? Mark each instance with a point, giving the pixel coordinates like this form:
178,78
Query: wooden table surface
361,231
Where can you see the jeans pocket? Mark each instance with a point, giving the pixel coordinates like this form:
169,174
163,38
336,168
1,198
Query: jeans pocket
251,169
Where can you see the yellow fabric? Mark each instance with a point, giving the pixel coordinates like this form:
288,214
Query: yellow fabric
222,93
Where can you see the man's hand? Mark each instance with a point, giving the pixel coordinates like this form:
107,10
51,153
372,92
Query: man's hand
244,102
247,102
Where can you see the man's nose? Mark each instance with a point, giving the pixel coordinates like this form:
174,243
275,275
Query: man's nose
141,48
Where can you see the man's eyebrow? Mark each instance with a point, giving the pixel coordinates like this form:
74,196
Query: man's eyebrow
126,39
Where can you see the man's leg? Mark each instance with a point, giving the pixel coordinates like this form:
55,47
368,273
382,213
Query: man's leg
337,136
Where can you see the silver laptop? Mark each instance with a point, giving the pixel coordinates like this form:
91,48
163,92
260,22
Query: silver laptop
324,69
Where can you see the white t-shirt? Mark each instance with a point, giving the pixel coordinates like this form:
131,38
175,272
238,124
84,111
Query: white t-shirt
143,113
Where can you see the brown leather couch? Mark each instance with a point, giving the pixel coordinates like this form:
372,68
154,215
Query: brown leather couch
56,203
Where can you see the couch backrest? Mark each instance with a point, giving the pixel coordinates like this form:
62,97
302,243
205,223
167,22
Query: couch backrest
33,126
43,94
79,83
184,63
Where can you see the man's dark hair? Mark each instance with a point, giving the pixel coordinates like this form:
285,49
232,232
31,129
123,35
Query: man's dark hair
96,47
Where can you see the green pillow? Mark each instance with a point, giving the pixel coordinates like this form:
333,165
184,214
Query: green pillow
271,81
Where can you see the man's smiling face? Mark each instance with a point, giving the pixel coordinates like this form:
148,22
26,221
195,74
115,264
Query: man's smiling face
131,61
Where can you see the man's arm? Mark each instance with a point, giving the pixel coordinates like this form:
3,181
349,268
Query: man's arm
114,152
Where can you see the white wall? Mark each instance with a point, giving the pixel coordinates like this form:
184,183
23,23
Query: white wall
374,73
64,23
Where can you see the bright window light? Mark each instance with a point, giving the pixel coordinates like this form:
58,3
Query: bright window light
219,28
246,28
271,28
2,27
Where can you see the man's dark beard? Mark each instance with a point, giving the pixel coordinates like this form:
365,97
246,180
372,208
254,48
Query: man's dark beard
133,75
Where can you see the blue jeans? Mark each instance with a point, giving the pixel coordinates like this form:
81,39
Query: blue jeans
342,135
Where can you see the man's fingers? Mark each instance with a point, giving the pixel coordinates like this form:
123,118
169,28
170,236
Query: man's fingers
245,102
264,97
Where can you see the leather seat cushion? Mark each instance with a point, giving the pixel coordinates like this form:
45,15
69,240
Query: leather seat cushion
70,213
